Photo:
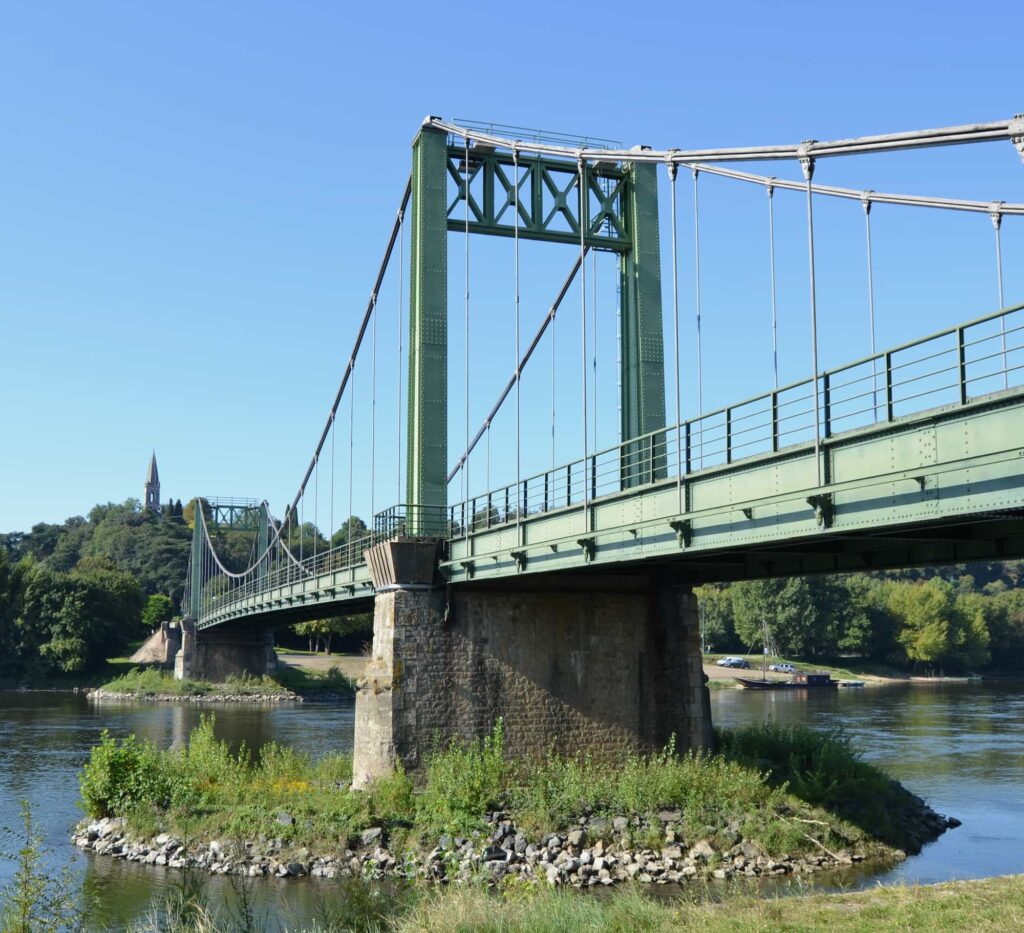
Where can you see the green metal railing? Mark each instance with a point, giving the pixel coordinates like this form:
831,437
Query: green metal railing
950,367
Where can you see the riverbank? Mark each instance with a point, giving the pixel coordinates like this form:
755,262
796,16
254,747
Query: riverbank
772,802
872,674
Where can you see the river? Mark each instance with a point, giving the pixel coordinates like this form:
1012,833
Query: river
960,746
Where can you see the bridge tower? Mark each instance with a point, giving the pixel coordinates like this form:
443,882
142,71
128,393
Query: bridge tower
607,667
618,213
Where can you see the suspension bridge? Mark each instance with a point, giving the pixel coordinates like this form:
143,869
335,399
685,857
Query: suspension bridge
556,591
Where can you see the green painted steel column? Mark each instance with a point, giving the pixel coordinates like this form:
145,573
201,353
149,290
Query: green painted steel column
643,352
196,564
427,428
263,541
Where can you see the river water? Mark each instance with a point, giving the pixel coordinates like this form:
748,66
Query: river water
960,746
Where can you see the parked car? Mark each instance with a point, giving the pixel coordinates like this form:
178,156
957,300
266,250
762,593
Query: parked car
782,668
741,663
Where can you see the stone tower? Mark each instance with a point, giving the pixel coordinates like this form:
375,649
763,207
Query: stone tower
152,500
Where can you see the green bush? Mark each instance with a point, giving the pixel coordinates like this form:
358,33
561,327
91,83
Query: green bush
122,776
465,781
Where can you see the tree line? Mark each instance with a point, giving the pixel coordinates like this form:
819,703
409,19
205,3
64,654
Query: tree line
966,619
75,593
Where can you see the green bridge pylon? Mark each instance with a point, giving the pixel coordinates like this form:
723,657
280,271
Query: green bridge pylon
618,213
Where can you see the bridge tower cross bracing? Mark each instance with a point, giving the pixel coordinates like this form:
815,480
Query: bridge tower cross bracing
620,214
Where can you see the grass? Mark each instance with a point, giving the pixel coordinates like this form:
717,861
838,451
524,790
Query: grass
992,904
151,681
790,790
995,904
312,683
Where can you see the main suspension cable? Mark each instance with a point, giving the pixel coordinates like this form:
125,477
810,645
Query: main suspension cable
359,337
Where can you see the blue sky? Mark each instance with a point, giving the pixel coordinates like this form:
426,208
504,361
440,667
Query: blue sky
194,198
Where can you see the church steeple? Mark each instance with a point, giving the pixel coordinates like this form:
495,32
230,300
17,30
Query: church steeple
152,500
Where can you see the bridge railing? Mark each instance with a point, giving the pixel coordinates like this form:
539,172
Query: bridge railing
951,367
220,591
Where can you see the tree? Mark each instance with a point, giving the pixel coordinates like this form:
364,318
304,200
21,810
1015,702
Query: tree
321,632
158,609
351,530
801,614
718,627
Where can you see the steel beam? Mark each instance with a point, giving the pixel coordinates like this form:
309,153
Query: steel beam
643,353
427,426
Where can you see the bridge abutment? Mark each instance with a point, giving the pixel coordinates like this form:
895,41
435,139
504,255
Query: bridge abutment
604,665
216,653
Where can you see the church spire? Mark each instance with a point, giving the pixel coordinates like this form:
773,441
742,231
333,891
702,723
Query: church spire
152,500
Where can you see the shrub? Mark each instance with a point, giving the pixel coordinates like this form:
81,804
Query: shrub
123,775
465,781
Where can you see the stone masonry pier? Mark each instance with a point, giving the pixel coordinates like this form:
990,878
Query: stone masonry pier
604,664
216,653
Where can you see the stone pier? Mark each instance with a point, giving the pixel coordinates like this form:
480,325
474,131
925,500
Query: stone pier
216,653
604,664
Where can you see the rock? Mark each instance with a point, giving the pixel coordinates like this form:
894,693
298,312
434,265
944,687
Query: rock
688,871
702,849
620,824
672,852
576,837
553,875
720,874
599,827
670,816
285,819
371,836
215,848
751,850
586,857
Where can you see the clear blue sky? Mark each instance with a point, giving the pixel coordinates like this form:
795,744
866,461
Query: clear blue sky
194,196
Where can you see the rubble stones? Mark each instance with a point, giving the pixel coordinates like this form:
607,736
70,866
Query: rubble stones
569,859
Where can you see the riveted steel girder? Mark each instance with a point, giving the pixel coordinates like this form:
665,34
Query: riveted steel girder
643,354
484,197
427,430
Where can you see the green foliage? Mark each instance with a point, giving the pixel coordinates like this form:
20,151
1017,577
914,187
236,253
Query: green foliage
36,900
321,632
772,782
465,781
158,608
72,622
122,777
151,681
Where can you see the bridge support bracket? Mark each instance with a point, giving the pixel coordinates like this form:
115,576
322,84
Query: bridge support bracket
748,512
824,509
684,531
589,546
520,558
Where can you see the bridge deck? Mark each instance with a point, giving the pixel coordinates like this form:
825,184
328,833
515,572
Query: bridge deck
887,489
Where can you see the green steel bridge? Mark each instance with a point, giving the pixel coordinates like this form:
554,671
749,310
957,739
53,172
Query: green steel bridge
911,455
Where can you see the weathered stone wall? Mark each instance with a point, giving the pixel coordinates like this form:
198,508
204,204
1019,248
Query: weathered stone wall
600,668
214,654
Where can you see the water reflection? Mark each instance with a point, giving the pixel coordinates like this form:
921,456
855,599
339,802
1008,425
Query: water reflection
961,747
